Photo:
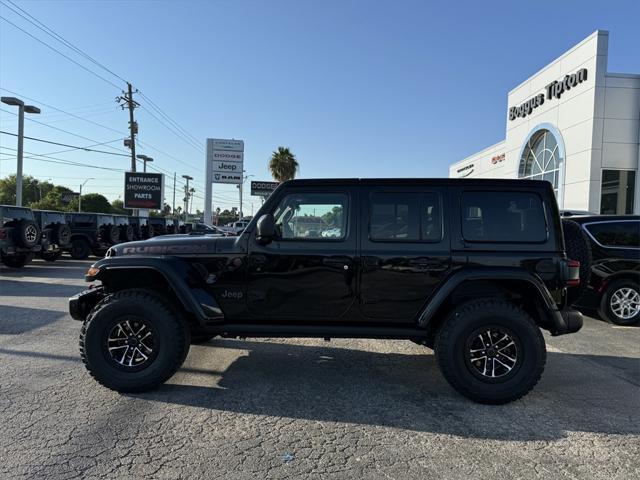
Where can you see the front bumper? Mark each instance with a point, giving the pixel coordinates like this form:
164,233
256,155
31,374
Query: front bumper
82,303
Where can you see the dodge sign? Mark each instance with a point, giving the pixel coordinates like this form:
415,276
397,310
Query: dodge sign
143,190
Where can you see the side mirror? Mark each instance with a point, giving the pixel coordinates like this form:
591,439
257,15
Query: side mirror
265,229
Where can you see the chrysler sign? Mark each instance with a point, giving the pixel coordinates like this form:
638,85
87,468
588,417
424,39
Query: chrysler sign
552,91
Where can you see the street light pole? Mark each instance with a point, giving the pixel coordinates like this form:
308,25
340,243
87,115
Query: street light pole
80,195
22,108
144,159
186,196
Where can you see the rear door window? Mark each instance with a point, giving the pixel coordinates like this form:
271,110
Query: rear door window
503,217
405,217
616,234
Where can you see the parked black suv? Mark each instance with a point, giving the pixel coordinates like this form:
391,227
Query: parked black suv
92,233
162,226
124,227
614,284
472,268
56,234
141,228
19,236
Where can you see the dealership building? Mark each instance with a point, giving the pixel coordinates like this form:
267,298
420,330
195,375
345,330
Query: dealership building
576,125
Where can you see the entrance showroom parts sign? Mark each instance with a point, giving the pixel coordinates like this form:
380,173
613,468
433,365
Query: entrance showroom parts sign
554,90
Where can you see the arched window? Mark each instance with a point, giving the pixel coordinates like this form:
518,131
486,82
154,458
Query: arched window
541,159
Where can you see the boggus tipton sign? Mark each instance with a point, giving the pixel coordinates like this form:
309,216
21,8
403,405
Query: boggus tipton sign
554,90
143,190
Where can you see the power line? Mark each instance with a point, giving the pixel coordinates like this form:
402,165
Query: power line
59,129
49,159
62,111
74,147
173,130
171,120
59,52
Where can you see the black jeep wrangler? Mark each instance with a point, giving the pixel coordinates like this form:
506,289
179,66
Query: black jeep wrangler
56,234
125,228
19,236
162,226
472,268
92,233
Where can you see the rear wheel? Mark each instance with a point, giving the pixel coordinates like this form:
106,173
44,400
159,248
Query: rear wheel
17,261
133,341
620,303
79,249
490,351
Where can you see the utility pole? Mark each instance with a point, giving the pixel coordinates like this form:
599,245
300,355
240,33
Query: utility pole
127,101
22,108
174,192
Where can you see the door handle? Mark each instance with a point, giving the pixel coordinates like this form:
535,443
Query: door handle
340,262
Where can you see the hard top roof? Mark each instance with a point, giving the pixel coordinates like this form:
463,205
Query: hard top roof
457,182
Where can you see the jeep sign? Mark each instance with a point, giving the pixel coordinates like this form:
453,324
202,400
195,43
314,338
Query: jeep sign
143,190
227,160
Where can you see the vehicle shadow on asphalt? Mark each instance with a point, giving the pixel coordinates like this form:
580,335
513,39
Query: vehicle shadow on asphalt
63,270
407,391
17,320
16,288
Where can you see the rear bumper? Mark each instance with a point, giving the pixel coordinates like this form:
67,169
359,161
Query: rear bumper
82,303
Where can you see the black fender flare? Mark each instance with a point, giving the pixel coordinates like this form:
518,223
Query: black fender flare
557,318
178,274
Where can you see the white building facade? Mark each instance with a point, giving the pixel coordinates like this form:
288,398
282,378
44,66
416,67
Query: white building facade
576,125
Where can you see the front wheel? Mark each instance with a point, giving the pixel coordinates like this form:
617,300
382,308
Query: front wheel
620,303
491,351
133,341
79,249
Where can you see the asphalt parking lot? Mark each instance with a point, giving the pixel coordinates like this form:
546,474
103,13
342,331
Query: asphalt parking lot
300,408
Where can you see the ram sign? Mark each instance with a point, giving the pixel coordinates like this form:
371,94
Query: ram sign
143,190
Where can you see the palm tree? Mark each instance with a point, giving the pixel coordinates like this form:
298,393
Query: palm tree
283,165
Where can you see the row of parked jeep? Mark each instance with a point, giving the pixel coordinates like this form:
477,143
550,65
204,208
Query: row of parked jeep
25,233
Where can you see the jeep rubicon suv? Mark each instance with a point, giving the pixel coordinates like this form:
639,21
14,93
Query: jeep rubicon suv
92,233
19,236
471,268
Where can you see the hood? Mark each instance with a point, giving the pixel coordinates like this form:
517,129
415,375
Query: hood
167,245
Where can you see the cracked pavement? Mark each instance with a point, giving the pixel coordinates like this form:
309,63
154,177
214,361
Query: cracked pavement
299,408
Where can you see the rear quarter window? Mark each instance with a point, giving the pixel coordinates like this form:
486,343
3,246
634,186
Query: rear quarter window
616,234
505,217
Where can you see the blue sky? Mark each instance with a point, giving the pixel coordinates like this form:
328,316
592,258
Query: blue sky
354,88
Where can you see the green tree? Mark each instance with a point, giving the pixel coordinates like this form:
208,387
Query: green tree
117,206
283,165
92,202
227,216
54,199
33,190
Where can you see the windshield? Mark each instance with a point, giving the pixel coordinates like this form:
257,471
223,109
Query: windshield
105,219
122,221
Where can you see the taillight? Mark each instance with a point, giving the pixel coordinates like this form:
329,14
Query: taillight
573,273
3,234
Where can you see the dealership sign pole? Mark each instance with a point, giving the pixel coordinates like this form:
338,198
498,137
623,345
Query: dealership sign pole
224,164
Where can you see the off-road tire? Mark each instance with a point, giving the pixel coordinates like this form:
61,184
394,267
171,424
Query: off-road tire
26,233
172,341
452,343
605,309
50,256
17,261
62,234
80,249
578,248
